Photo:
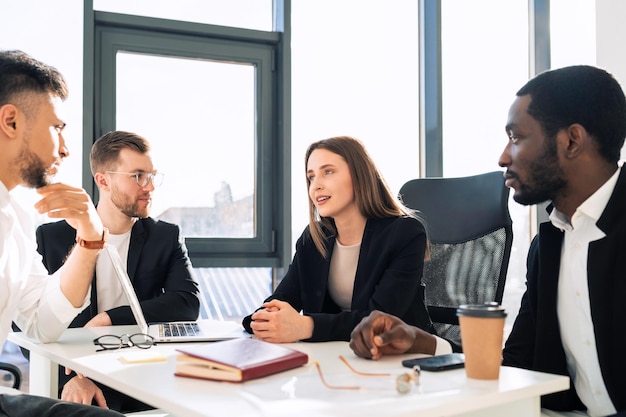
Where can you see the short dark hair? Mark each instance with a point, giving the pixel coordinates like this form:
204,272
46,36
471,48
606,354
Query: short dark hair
580,94
106,149
20,73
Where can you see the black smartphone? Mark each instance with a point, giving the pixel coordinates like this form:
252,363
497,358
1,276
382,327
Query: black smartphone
437,363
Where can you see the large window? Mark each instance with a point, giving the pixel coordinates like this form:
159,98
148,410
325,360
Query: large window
484,63
248,14
572,32
485,60
355,71
206,97
208,192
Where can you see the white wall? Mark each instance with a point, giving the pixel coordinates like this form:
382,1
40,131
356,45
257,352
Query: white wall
610,35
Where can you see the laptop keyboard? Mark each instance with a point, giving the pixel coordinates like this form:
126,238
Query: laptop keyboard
179,329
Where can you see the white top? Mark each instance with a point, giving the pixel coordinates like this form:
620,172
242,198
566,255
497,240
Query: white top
109,288
573,299
27,294
341,275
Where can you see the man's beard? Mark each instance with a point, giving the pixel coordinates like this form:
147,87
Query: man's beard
127,207
32,169
546,177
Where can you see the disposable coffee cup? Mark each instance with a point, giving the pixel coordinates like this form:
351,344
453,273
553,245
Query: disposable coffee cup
482,332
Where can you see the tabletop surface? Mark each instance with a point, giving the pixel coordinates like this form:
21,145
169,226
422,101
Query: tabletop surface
297,391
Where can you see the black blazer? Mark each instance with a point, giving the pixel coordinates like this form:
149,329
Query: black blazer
158,266
535,341
388,278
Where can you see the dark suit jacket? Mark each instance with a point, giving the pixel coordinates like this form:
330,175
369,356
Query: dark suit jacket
159,268
535,341
388,278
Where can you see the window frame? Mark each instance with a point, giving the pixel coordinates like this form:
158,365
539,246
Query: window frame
269,54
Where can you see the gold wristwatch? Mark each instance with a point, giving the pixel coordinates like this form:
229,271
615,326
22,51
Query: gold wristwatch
93,244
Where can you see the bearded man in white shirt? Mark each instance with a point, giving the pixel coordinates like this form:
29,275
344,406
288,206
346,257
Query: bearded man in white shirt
32,149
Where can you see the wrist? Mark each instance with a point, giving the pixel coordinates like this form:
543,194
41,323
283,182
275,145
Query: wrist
93,244
307,328
423,342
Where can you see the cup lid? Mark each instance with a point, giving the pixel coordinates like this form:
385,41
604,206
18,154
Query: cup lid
487,310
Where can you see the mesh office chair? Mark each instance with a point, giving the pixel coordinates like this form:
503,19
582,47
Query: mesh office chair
471,234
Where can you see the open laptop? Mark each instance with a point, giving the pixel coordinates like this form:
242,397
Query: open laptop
193,331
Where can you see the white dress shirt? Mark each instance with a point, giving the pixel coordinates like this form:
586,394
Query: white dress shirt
573,306
28,295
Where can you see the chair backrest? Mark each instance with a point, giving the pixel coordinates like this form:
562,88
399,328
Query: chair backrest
471,234
13,371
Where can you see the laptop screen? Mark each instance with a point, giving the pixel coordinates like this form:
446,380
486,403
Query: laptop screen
122,276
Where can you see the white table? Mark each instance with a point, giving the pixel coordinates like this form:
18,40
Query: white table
295,392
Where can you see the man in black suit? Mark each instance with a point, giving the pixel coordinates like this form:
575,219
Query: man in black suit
156,256
566,128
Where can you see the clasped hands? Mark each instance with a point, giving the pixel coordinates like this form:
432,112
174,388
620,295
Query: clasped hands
279,322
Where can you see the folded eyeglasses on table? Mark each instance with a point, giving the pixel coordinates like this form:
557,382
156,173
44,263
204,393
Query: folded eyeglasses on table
114,342
404,381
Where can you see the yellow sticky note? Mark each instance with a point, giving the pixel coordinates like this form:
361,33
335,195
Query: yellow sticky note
142,356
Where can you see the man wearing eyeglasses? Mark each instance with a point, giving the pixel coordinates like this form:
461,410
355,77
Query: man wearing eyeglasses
155,255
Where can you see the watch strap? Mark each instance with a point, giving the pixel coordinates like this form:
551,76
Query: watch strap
93,244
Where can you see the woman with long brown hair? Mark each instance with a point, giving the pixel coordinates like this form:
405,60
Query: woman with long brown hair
362,251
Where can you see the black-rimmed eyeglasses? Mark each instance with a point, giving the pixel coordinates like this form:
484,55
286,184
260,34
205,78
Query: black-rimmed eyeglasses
143,178
114,342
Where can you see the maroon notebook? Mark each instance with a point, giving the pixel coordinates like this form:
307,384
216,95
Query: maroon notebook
236,360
